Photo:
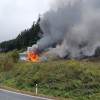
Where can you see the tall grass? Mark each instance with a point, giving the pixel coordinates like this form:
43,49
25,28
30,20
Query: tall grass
63,78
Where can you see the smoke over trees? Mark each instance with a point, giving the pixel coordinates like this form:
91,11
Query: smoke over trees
70,28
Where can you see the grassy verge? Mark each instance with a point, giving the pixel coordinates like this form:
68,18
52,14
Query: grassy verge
72,80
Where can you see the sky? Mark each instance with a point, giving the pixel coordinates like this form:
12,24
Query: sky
18,15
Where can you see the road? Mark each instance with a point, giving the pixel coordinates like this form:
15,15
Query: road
9,95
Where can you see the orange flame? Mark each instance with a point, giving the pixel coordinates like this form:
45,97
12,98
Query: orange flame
32,56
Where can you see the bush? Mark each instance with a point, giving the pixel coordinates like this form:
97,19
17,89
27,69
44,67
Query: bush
73,64
6,62
15,55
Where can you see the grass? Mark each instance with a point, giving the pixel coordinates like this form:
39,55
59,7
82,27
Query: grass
69,79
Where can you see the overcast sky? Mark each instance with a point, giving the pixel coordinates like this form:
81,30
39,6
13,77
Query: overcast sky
18,15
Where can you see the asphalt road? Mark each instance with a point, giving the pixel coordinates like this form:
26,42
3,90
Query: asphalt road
9,95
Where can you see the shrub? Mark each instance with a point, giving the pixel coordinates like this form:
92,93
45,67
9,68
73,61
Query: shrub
15,55
73,64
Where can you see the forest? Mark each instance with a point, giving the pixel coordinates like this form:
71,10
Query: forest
26,38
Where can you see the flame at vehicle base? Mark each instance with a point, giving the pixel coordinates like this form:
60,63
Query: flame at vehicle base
32,56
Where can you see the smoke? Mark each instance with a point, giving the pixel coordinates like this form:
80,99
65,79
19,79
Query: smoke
70,28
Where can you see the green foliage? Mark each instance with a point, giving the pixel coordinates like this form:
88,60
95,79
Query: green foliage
6,62
73,64
24,39
15,55
1,79
78,80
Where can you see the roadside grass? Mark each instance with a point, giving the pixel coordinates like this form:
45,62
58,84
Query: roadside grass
69,79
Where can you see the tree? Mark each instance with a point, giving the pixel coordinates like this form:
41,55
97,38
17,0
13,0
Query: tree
26,38
97,52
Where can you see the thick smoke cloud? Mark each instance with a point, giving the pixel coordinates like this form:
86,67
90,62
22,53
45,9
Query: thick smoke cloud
71,28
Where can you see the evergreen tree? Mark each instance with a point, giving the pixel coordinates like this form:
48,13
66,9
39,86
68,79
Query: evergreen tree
24,39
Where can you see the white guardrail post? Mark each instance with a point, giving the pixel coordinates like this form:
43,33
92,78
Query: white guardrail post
36,88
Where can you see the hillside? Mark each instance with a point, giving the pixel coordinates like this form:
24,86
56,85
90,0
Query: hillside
26,38
75,80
